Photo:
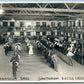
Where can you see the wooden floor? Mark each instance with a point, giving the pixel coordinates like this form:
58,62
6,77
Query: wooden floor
35,68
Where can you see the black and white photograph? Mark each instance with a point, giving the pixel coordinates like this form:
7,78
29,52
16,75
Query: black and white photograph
42,42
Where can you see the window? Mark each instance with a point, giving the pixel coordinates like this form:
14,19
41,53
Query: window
43,33
79,36
57,33
53,24
70,34
66,34
37,24
59,24
74,35
22,33
28,33
73,23
44,24
37,33
64,24
70,23
21,24
83,36
79,23
5,24
12,24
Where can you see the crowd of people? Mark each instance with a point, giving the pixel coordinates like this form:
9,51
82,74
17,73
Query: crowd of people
46,49
16,56
8,46
69,47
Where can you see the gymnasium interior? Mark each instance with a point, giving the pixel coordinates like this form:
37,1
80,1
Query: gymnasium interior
49,28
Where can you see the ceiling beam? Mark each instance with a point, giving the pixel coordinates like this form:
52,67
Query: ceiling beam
44,14
66,5
74,6
47,9
38,5
45,5
50,5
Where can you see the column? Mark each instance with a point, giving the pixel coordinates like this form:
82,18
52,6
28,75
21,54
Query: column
1,23
56,23
72,23
76,23
8,24
34,33
81,23
55,32
68,23
25,33
40,33
68,34
81,36
62,23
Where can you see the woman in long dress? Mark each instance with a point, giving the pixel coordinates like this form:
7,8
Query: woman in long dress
70,54
30,50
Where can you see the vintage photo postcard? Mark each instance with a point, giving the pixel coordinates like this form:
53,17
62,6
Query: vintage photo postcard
42,41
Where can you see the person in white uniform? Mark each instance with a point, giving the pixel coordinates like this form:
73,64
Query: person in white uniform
30,49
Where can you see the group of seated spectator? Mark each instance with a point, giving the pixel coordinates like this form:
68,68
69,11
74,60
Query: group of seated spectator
66,45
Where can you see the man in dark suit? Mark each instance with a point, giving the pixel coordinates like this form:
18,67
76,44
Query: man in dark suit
14,66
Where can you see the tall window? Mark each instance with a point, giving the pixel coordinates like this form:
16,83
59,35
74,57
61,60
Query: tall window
73,23
38,33
22,33
53,24
74,35
79,36
5,24
12,24
37,24
44,24
83,36
70,23
64,24
29,33
79,23
59,24
21,24
43,33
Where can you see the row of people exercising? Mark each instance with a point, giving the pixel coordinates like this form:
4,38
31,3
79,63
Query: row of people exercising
49,55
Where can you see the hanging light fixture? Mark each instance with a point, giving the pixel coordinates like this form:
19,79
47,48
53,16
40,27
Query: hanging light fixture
1,9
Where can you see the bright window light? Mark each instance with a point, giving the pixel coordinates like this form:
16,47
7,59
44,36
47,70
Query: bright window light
28,24
1,11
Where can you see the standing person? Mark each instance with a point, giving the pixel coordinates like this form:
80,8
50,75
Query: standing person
14,66
17,58
70,54
19,48
16,49
28,44
6,49
30,49
54,60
